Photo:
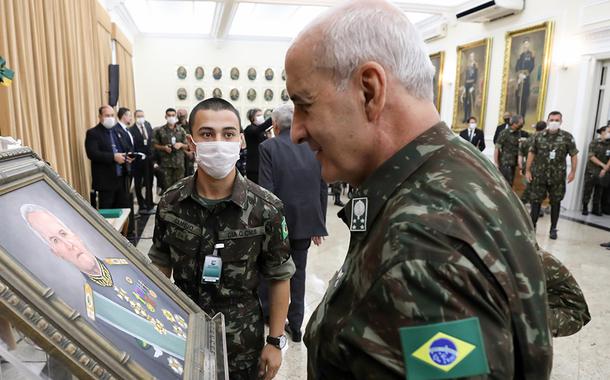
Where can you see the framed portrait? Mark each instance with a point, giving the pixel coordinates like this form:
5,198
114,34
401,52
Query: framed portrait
438,61
234,94
251,94
527,59
199,94
471,82
284,75
268,95
77,288
284,95
181,72
252,73
199,73
181,93
267,113
234,73
217,73
269,74
217,93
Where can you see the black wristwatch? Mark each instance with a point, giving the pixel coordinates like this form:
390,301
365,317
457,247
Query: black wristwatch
277,342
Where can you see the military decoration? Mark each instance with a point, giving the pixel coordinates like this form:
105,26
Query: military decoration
175,365
359,214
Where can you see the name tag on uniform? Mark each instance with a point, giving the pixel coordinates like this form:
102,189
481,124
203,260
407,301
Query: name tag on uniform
552,154
238,234
212,268
608,153
173,140
145,142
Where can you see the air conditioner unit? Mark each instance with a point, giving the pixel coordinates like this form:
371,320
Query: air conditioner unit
485,11
432,28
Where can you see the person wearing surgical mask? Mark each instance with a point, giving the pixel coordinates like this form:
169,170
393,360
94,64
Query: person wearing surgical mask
217,232
255,134
473,134
598,158
108,154
546,168
170,143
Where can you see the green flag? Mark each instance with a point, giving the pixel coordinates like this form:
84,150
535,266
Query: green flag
444,350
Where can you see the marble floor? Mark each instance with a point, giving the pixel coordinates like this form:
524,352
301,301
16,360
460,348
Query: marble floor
584,356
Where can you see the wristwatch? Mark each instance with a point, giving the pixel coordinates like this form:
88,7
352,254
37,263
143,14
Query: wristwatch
278,342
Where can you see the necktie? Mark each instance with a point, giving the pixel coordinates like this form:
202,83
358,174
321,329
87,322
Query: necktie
118,168
471,135
144,135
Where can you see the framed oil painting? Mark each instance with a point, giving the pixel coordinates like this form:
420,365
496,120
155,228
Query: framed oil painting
77,288
471,83
527,60
438,61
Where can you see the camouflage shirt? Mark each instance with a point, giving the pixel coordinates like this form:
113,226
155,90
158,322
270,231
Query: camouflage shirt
508,144
601,150
252,227
445,239
568,307
168,136
551,150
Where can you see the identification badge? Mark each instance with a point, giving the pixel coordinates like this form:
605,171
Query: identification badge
552,154
173,140
145,142
212,267
608,153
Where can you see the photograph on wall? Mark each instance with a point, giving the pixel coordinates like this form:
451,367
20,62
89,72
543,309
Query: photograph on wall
284,95
252,73
181,72
199,94
438,61
527,60
199,73
66,253
181,93
268,95
284,75
471,83
217,93
267,113
234,73
234,94
269,74
217,73
251,94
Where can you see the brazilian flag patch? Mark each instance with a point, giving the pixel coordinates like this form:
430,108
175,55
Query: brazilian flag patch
284,229
444,350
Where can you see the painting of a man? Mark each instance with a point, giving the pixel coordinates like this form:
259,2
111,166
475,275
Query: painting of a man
523,68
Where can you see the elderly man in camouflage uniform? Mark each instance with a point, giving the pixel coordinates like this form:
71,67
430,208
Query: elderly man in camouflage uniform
568,310
215,215
170,143
433,224
507,148
546,168
598,157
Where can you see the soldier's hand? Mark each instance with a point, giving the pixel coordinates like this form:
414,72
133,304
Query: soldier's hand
571,176
271,359
602,173
167,149
317,240
119,158
528,176
178,145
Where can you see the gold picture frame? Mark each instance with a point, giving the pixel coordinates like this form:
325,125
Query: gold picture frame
438,61
527,60
470,97
77,317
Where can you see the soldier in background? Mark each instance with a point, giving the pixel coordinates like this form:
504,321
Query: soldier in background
507,148
217,232
546,168
189,157
432,225
336,189
170,143
524,149
598,157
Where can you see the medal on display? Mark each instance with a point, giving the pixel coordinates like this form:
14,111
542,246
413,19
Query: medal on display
212,267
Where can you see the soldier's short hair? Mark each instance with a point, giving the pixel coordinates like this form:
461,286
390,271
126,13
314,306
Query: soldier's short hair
552,113
601,130
540,126
214,104
516,119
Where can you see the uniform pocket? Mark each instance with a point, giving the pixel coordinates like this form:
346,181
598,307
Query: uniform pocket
239,272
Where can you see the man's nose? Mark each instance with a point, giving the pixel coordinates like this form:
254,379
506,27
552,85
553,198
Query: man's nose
298,133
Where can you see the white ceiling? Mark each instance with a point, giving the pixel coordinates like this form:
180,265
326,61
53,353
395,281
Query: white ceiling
244,19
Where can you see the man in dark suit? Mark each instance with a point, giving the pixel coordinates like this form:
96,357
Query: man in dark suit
142,132
473,134
293,174
255,135
502,126
106,148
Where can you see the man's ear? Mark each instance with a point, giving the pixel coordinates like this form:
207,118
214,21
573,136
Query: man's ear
372,81
190,142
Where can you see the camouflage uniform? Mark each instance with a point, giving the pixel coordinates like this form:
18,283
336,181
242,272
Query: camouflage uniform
171,164
189,163
508,144
445,239
549,172
252,227
524,149
568,311
601,150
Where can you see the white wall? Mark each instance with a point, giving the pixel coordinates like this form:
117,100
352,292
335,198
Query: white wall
576,47
157,59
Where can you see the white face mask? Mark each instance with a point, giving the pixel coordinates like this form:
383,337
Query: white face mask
472,125
217,158
140,120
554,125
108,122
259,120
171,120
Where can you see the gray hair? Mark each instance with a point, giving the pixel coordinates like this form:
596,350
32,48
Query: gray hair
282,116
516,119
354,34
26,209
